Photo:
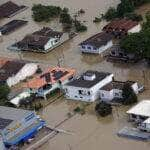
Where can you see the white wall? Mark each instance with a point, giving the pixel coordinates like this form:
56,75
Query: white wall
97,51
135,29
110,95
135,88
27,70
105,47
73,92
51,43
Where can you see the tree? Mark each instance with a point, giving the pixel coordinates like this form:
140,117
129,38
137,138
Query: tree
129,96
4,94
126,6
79,26
65,18
103,109
134,16
110,14
45,13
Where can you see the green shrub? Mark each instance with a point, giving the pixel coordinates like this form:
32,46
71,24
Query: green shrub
103,109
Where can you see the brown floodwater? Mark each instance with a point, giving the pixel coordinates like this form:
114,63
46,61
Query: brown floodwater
90,133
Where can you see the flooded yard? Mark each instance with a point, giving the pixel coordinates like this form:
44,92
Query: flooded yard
89,132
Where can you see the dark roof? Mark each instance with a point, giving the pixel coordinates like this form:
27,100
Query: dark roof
34,40
38,39
9,8
10,68
98,40
12,25
81,82
116,85
120,24
48,32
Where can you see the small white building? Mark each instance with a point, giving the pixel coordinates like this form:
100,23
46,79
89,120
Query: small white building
18,98
86,87
121,27
114,89
97,43
140,114
14,71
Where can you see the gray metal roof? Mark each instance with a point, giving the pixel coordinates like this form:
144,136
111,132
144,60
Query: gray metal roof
13,114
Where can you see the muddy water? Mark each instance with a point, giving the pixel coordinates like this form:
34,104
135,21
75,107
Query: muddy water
90,133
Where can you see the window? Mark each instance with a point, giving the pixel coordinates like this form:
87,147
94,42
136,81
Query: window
66,90
89,47
117,94
29,117
83,46
89,93
94,48
80,91
56,41
102,95
133,116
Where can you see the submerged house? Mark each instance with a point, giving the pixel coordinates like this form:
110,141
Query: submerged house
10,9
114,90
52,79
121,27
43,40
12,26
97,43
86,87
140,114
18,125
14,71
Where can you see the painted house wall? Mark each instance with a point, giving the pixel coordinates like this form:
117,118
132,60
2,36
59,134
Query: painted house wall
64,38
115,93
17,126
26,71
110,95
89,94
92,49
51,43
42,93
135,29
135,88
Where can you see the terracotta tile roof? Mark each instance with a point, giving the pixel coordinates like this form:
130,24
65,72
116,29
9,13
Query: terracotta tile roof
116,85
55,74
120,24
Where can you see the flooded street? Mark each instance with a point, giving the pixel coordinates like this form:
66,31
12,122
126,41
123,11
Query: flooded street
89,132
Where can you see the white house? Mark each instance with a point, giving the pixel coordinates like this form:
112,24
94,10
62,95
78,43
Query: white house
14,71
97,43
114,89
140,114
86,87
43,40
119,27
18,98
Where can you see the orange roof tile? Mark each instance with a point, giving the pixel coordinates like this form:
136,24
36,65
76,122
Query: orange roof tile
40,82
